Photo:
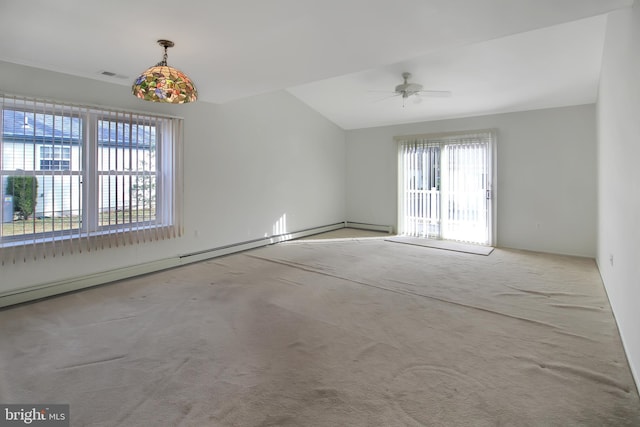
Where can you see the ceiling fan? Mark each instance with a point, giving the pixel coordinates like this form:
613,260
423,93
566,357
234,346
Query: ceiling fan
407,90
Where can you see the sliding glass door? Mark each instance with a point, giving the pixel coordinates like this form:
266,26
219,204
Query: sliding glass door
445,187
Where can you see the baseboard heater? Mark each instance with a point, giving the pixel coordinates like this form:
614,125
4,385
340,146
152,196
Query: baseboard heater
252,244
77,283
371,227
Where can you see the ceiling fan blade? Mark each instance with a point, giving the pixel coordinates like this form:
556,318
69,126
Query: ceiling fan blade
436,93
387,97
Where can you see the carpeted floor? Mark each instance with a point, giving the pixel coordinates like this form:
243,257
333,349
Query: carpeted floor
446,245
330,333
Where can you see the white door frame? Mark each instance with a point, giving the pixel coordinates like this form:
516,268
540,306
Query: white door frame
442,138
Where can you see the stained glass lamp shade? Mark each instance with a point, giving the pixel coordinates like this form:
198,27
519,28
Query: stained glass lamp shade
162,83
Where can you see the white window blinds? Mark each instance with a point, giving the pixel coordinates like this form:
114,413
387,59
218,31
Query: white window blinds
444,186
76,178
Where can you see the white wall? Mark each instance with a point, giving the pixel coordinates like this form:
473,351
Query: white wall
546,175
247,164
619,175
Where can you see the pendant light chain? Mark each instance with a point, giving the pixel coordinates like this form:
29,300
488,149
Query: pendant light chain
164,57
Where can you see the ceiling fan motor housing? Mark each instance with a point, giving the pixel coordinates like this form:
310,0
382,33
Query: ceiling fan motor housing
408,89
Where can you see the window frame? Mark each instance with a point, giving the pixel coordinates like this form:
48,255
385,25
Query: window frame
166,173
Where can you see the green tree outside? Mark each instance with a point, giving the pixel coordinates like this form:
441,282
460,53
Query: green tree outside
24,190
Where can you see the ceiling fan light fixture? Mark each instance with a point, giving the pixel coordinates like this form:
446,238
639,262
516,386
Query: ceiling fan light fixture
162,83
407,89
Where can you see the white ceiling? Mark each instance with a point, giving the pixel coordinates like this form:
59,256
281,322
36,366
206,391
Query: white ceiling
494,55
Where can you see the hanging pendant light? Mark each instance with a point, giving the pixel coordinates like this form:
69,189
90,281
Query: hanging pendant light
162,83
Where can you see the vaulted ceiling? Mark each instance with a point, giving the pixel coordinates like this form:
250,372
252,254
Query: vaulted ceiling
341,57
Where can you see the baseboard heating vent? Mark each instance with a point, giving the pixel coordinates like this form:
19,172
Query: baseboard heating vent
371,227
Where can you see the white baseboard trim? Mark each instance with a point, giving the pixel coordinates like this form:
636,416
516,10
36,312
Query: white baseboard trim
49,289
630,361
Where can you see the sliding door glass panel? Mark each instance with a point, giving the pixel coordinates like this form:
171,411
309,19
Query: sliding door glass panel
465,215
421,183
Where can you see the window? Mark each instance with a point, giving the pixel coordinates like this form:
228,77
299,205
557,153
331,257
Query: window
55,158
75,178
126,172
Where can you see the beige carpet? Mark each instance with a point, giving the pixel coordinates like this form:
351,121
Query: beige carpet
335,333
345,233
447,245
